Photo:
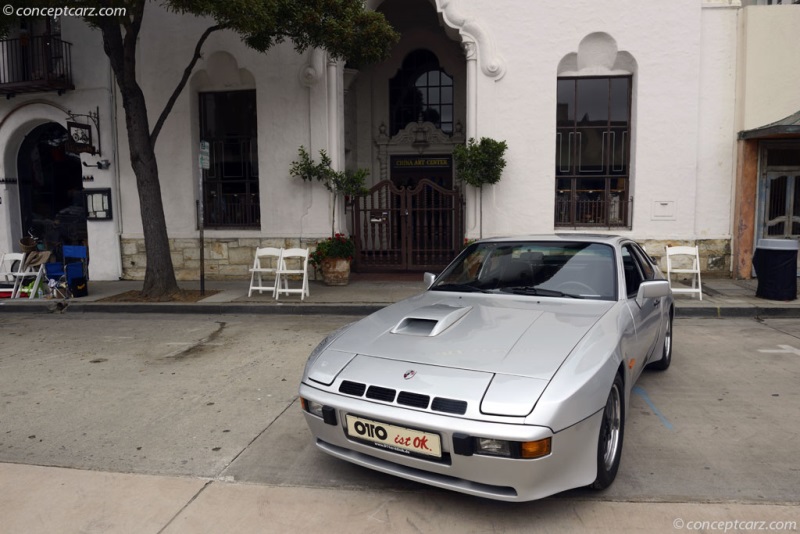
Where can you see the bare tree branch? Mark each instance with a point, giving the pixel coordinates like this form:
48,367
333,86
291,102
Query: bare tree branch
185,78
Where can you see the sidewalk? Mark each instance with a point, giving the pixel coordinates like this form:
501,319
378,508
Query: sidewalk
722,297
74,501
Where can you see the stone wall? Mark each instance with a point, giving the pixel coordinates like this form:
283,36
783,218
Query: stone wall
230,258
225,259
715,254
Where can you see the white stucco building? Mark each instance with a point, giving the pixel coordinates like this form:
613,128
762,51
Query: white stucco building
638,118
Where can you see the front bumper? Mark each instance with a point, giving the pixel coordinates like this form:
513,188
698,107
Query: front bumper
572,462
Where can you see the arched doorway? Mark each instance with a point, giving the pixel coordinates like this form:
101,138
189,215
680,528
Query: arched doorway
51,189
403,118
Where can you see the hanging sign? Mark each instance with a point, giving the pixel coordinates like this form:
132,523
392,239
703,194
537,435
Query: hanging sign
80,139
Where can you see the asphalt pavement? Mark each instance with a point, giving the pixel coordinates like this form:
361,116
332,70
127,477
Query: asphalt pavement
41,498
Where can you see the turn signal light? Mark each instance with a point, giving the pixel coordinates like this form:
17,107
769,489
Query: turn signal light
535,449
528,450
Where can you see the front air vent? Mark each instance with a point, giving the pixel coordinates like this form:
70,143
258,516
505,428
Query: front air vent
381,394
352,388
414,400
405,398
415,327
449,406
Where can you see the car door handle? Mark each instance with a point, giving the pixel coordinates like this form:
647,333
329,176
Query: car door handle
657,303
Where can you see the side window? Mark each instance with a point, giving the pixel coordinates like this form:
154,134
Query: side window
633,272
644,261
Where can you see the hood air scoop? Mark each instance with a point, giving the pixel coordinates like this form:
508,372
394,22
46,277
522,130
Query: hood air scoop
430,321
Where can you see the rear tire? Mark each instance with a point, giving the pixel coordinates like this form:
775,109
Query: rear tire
666,353
609,440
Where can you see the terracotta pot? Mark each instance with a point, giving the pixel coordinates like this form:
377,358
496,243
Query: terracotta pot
336,271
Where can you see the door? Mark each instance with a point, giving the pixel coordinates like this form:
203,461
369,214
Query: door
415,228
52,205
781,206
647,317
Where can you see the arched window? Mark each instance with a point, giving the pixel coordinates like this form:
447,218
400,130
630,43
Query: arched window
421,88
594,119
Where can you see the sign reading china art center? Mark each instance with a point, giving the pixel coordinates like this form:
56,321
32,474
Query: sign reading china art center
416,163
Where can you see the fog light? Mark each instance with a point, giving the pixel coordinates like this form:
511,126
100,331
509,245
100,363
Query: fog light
494,447
535,449
312,407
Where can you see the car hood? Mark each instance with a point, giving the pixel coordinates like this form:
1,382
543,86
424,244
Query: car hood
502,334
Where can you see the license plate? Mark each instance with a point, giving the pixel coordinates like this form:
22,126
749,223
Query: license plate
395,438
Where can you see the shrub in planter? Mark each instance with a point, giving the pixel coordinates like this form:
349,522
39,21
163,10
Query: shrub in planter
337,182
333,257
480,163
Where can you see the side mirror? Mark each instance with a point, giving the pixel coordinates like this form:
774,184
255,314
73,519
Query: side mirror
652,289
429,279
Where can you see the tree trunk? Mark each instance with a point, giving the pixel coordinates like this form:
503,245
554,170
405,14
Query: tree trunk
159,278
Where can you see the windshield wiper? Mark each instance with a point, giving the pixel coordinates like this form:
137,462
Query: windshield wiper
540,292
460,287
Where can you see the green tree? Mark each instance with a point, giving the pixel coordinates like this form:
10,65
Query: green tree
340,183
344,28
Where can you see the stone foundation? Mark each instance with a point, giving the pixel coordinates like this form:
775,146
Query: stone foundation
715,254
225,259
231,258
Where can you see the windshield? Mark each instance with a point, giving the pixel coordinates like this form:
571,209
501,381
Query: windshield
538,268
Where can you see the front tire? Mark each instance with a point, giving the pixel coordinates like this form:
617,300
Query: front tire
609,440
666,353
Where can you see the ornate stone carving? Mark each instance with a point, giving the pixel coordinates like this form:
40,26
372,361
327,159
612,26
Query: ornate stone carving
409,139
311,72
491,62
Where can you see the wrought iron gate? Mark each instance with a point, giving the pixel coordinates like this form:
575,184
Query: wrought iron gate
407,229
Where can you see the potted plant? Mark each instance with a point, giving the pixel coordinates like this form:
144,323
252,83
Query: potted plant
479,163
333,257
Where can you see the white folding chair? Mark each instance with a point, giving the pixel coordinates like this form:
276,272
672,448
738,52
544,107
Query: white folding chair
294,261
685,256
266,262
34,267
11,270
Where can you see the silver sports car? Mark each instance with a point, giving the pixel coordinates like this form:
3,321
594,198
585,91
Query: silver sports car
509,378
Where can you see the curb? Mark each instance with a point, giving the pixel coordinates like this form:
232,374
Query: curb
736,311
